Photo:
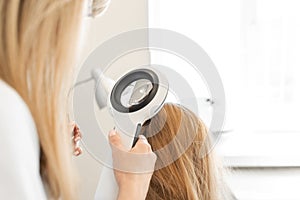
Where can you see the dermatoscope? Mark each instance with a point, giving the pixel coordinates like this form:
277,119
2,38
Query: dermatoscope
133,99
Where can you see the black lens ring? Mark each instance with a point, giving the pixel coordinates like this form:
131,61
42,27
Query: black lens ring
126,80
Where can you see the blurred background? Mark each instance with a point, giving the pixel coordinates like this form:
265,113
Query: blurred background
255,45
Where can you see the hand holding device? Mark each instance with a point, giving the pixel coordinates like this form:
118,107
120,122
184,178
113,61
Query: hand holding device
131,185
133,99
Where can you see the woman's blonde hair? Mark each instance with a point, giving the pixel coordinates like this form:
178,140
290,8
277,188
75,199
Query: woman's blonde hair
38,53
191,176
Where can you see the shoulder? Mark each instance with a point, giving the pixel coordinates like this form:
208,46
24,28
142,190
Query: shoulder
10,101
17,127
15,115
19,150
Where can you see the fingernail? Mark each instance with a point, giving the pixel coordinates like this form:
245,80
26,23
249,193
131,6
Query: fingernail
77,139
142,137
76,152
112,133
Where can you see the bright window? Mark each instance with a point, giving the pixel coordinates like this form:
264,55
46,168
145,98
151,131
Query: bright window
255,44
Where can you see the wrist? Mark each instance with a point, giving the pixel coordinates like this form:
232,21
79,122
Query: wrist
131,192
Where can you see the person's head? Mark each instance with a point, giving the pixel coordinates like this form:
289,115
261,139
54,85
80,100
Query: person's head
39,40
193,175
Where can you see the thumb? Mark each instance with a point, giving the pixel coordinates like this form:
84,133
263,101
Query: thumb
115,139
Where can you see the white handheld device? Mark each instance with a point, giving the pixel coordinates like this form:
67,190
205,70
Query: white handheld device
133,99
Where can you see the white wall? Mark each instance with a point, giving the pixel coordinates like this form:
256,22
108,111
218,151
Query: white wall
121,16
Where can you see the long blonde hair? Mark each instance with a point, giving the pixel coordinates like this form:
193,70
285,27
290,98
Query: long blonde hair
191,176
38,48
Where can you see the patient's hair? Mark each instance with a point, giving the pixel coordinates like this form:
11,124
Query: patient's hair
192,176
